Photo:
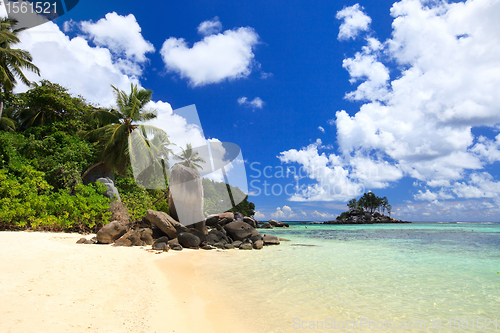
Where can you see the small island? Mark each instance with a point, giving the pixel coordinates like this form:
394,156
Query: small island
369,209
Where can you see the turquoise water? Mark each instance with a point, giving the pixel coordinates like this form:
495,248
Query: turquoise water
394,275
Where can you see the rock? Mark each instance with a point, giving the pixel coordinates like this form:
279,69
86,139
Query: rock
246,246
176,247
278,224
147,236
265,226
207,247
188,240
165,223
229,215
163,239
111,190
90,241
238,230
111,232
202,236
256,237
237,243
271,240
229,246
219,245
173,241
161,246
283,239
123,241
185,199
250,221
258,245
238,216
81,241
212,220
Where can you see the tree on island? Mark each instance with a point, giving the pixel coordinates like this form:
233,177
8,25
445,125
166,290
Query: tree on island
370,203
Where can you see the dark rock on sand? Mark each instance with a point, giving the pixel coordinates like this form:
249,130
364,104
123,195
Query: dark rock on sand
165,223
245,246
271,240
258,245
278,224
189,240
207,247
176,247
111,232
229,246
239,230
163,239
81,241
237,243
162,246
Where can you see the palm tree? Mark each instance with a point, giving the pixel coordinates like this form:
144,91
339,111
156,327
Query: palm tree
190,157
115,127
7,123
12,61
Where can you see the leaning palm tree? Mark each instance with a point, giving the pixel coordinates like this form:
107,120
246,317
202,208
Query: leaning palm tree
12,61
7,122
115,127
190,158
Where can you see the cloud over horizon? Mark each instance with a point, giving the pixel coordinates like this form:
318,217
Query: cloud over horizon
418,121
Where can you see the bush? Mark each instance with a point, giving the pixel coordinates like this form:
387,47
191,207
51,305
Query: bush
27,201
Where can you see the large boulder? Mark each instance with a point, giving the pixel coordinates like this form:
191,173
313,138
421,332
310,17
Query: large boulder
185,198
265,226
189,240
258,245
271,240
212,220
111,232
165,223
239,230
251,221
278,224
139,237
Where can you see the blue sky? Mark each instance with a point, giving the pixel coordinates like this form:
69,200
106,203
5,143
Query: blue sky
400,98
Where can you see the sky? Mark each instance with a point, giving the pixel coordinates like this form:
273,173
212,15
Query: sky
327,100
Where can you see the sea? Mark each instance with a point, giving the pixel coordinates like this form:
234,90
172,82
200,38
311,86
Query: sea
418,277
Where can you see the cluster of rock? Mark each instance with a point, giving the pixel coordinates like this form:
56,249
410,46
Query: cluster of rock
361,217
223,231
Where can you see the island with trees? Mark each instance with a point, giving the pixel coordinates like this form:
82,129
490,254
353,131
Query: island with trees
369,209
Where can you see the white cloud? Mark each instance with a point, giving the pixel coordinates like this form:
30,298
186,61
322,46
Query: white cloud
224,56
256,103
210,27
73,63
321,129
419,124
120,34
283,213
259,216
354,22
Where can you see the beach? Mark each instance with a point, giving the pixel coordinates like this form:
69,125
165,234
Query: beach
51,284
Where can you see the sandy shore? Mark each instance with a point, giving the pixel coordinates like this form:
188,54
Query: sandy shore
51,284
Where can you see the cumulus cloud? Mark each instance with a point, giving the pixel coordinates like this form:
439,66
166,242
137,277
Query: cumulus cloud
321,129
283,213
210,27
224,56
120,34
256,103
354,21
419,124
62,59
259,216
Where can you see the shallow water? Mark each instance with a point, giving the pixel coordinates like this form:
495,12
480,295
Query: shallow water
377,277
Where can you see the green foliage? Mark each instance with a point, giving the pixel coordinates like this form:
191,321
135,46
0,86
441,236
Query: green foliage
343,215
135,198
26,201
370,202
216,199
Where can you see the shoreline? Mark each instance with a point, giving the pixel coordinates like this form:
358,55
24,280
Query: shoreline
50,283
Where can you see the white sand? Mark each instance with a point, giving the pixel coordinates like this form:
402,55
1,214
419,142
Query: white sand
48,283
